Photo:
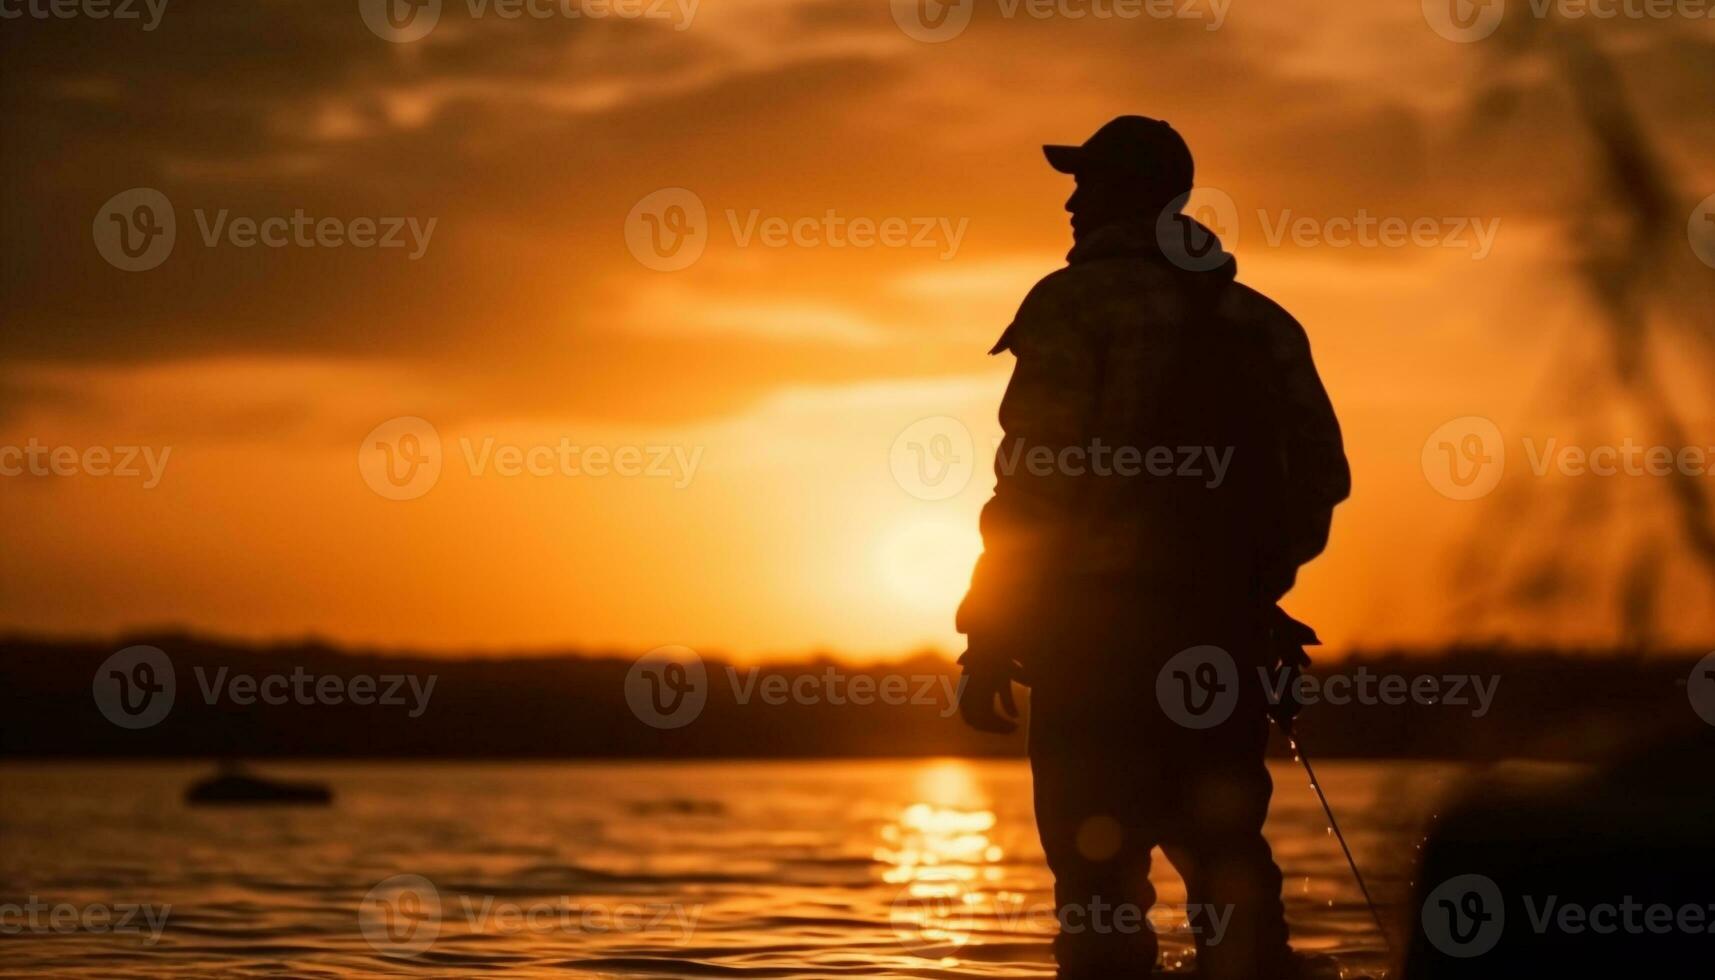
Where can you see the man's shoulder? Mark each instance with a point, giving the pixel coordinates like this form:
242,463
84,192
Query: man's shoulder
1053,301
1082,297
1115,276
1064,287
1248,304
1268,321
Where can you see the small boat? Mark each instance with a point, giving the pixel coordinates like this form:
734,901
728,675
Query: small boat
231,786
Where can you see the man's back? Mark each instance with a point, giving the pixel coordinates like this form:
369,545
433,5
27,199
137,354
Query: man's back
1203,448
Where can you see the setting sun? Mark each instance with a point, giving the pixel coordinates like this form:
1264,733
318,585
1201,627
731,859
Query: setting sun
927,564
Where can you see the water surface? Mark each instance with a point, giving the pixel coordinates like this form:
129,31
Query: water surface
803,869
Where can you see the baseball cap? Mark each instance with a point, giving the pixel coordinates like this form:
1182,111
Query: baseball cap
1130,148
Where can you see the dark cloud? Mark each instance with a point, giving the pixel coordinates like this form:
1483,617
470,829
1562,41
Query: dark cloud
528,142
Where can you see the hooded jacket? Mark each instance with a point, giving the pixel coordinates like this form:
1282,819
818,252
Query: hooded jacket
1165,431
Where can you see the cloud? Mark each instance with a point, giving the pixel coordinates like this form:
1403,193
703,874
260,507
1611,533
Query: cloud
528,141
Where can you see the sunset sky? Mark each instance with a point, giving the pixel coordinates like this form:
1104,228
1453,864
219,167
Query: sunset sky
784,372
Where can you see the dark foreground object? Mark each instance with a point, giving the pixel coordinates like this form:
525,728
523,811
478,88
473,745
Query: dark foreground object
229,789
1612,875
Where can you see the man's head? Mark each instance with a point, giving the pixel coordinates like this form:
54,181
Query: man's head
1129,171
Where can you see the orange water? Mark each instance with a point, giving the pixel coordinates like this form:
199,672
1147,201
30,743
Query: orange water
883,868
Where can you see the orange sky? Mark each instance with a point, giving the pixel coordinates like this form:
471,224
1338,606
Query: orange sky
785,372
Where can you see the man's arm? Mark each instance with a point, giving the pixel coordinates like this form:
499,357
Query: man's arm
1313,456
1048,406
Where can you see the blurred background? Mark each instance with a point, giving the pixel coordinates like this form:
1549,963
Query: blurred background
493,344
1561,298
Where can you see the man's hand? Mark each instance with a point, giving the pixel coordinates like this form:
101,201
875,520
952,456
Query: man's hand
978,690
1287,639
1285,709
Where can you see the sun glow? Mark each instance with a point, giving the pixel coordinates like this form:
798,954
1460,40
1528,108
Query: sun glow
927,564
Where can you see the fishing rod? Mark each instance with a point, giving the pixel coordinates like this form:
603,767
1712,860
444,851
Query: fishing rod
1334,825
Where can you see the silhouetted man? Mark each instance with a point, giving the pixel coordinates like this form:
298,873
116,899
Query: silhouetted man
1170,460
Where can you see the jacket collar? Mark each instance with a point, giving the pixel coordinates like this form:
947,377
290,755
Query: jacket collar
1126,239
1111,241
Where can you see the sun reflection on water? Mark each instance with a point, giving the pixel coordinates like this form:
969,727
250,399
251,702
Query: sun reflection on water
941,853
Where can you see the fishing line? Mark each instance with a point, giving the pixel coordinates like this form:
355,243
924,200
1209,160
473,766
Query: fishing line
1334,825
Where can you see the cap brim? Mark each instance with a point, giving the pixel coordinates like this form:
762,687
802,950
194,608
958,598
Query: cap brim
1064,158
